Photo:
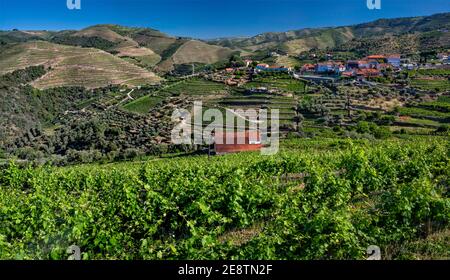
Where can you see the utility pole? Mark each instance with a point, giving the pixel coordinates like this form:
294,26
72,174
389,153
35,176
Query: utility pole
349,106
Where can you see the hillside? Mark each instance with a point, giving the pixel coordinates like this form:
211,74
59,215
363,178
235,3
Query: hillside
16,36
145,47
148,47
194,51
24,110
106,38
73,66
294,42
409,43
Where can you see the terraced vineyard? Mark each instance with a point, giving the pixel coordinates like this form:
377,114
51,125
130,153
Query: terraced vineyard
196,88
285,105
74,66
439,84
285,83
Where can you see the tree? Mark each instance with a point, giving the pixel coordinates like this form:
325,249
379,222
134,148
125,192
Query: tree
382,133
363,127
443,129
298,119
236,61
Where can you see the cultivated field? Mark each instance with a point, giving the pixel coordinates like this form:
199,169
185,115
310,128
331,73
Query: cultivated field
318,199
73,66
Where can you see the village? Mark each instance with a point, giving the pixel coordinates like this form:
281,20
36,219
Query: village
367,68
327,96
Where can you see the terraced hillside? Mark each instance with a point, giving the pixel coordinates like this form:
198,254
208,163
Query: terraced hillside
197,88
193,51
120,45
145,47
406,43
248,101
73,66
296,41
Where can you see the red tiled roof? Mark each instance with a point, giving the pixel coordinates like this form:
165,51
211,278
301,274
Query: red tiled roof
348,74
376,56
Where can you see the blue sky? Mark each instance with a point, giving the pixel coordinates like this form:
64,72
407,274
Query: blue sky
207,18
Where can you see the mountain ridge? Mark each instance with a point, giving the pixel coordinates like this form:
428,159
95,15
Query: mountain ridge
379,27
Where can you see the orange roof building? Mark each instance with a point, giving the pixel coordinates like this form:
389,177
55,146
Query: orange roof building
233,142
308,66
376,56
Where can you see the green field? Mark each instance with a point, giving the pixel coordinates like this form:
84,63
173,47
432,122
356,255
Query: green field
143,104
422,112
193,87
442,104
439,85
282,83
198,87
317,199
430,72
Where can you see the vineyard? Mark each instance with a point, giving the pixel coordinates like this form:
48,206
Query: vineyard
74,66
317,199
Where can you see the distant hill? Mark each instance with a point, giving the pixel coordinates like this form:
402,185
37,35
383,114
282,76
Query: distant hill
294,42
145,47
16,36
409,43
103,54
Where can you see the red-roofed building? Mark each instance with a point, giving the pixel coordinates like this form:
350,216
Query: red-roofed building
308,67
348,74
233,142
376,56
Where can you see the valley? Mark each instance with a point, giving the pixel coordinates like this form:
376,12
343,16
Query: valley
87,156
